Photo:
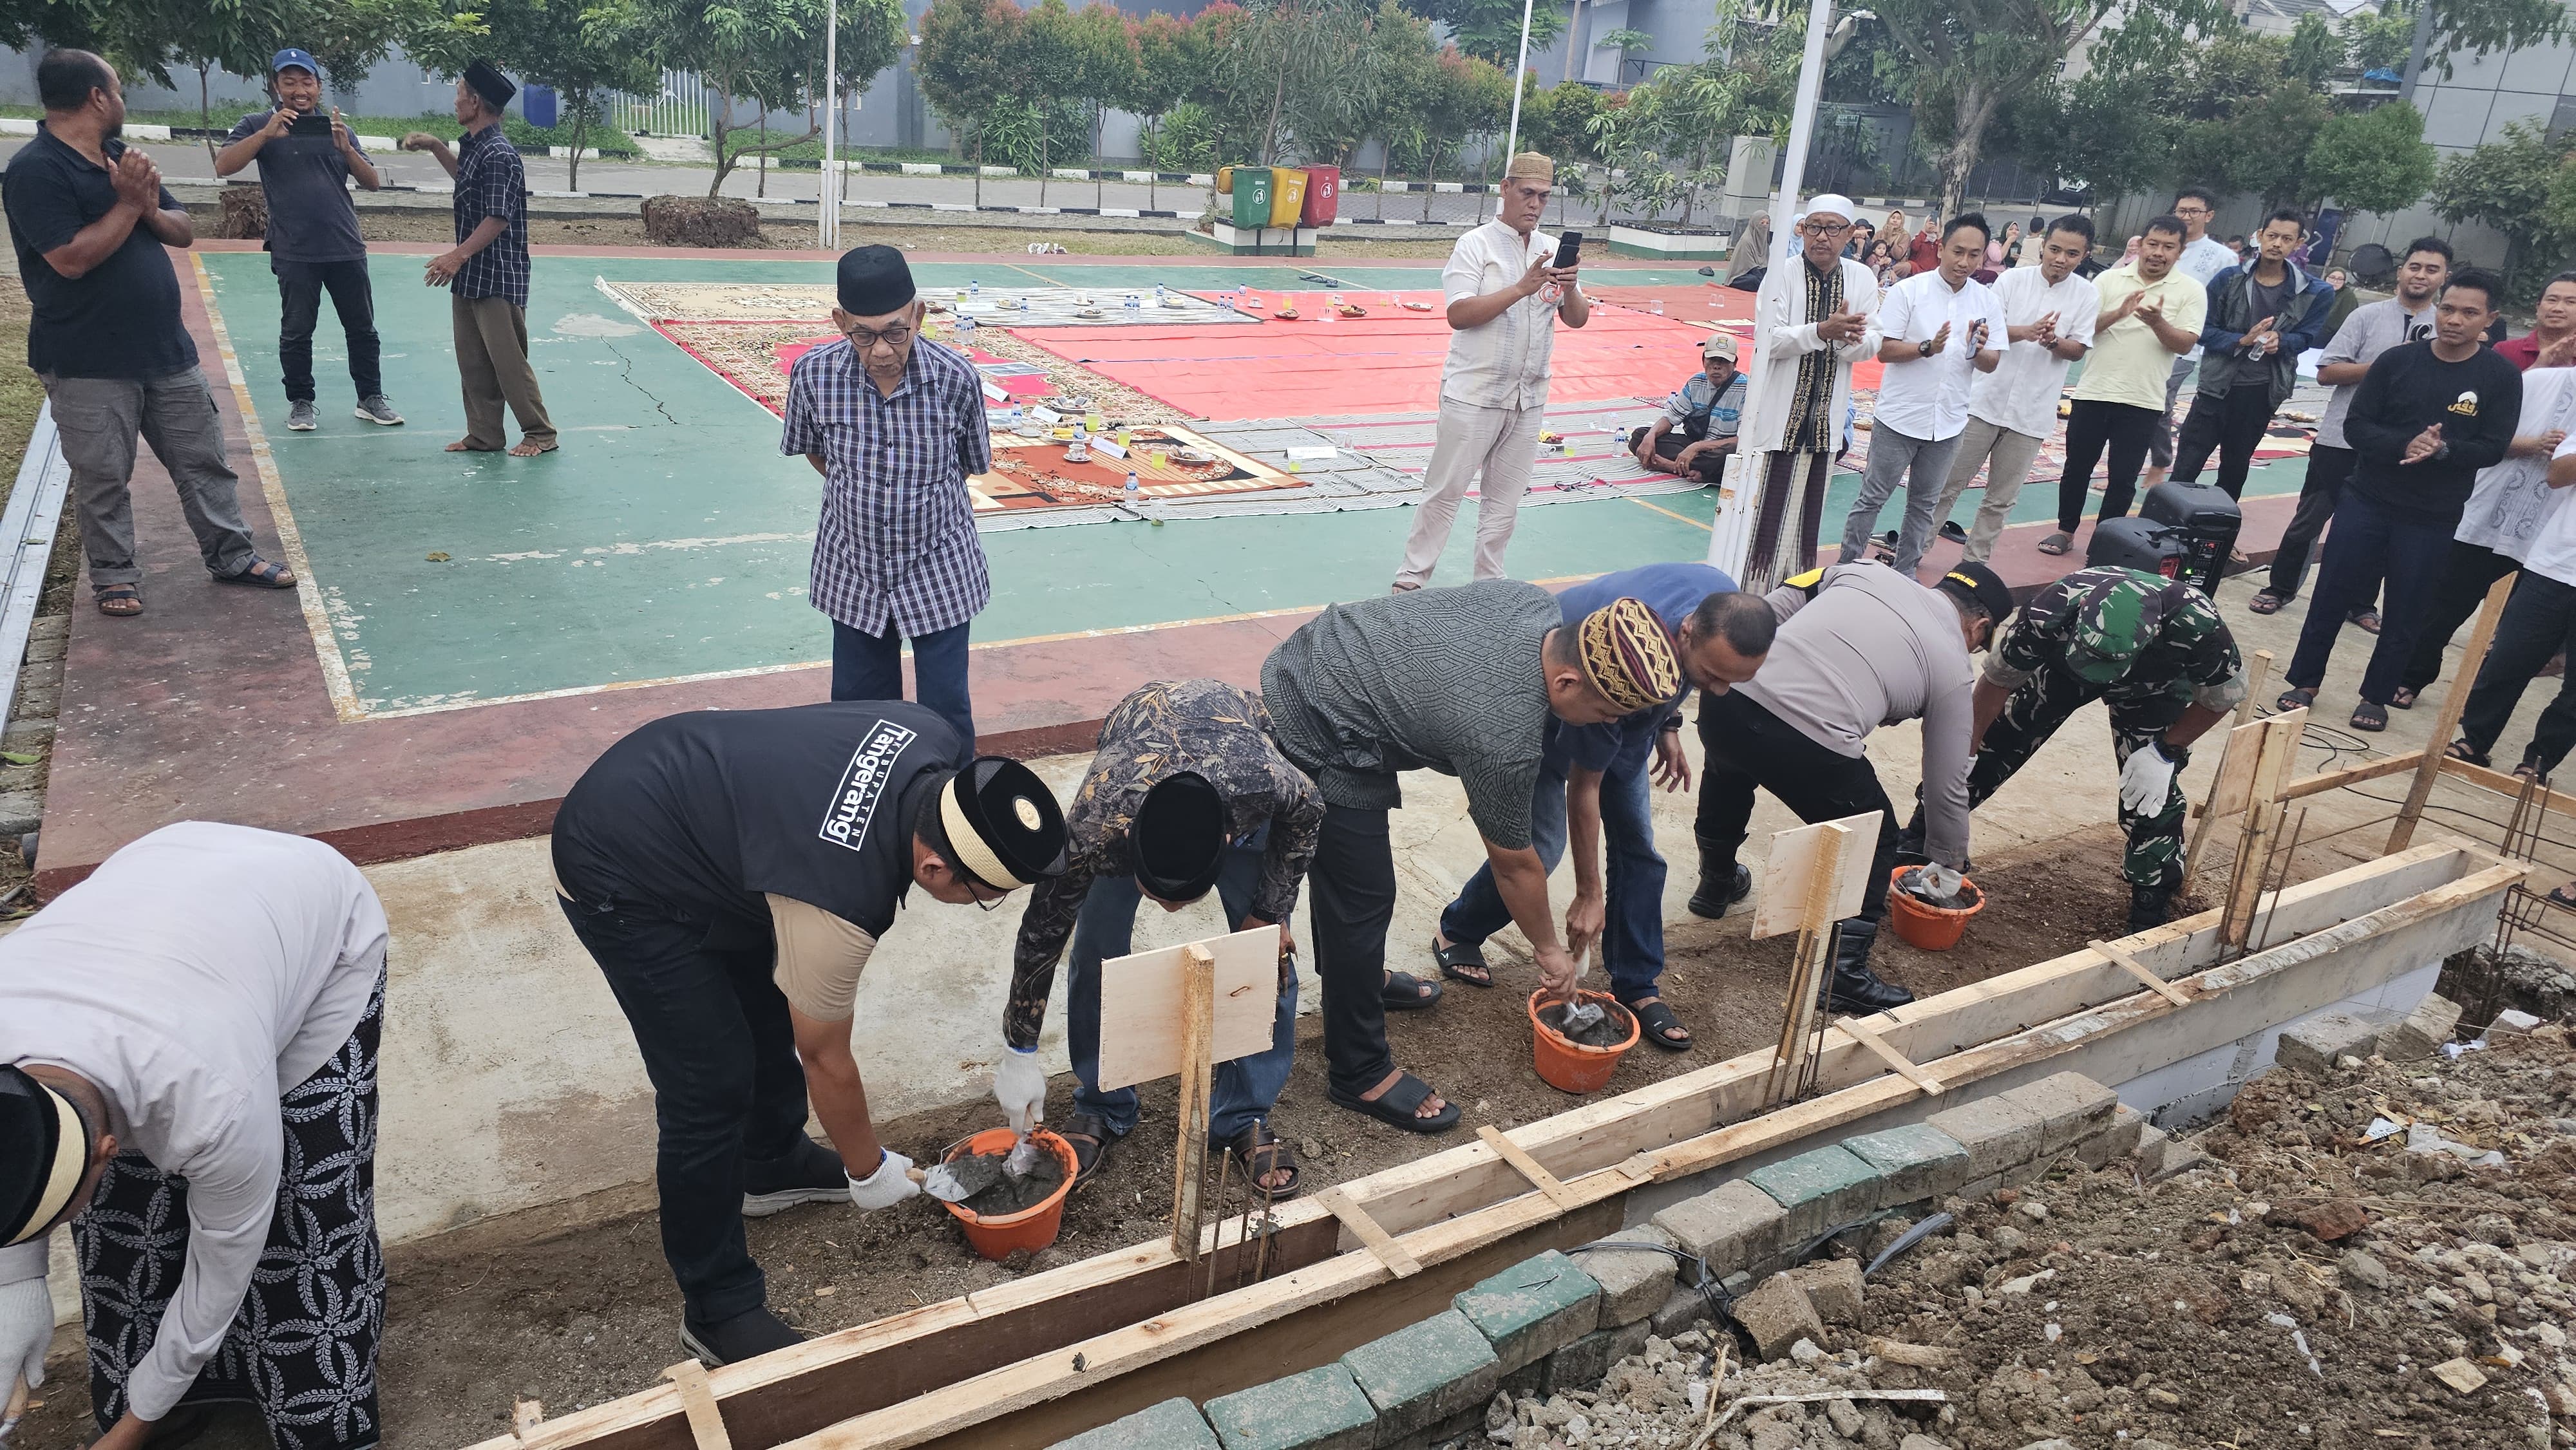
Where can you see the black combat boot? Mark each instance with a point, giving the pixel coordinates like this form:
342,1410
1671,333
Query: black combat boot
1856,989
1722,883
2152,905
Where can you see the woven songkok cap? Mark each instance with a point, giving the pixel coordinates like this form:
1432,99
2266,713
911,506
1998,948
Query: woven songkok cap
1627,656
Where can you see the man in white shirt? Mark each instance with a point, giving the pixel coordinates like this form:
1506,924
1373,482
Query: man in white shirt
1938,330
2203,257
2048,324
1505,293
1811,322
187,1039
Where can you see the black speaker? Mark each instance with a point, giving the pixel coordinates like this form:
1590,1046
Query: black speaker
2134,543
2208,520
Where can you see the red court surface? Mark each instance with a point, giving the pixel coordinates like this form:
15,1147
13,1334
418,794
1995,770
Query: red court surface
1386,362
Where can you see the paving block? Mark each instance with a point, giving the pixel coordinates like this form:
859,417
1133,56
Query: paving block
1424,1373
1732,1227
1634,1281
2069,1106
2434,1021
2116,1141
1834,1287
2312,1046
1175,1424
1997,1133
1778,1315
2511,1019
1819,1190
1322,1409
1533,1309
1686,1308
1915,1163
2153,1144
1585,1363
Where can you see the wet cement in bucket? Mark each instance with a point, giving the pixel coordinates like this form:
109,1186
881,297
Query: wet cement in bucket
1008,1195
1609,1030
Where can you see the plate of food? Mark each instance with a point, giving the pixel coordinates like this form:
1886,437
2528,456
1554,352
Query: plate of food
1286,314
1193,456
1415,306
1352,309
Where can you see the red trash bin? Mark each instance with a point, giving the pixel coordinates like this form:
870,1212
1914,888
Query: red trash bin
1323,196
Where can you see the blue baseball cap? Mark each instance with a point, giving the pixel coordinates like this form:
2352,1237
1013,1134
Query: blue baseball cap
294,56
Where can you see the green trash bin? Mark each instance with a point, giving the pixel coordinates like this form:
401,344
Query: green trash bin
1252,197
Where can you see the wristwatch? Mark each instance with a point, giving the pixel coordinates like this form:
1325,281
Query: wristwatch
1926,345
2442,449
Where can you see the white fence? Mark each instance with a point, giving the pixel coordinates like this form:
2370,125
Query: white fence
678,109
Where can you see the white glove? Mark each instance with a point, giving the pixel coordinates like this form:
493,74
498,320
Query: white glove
1019,1085
889,1185
1938,881
2146,780
26,1329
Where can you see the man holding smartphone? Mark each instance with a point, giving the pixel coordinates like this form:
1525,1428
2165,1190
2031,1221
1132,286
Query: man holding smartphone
305,163
1506,283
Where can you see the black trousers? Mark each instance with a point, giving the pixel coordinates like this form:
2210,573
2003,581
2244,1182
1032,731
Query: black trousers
1748,746
2091,427
1711,468
2539,621
1354,902
2231,426
300,286
2328,467
2467,574
727,1086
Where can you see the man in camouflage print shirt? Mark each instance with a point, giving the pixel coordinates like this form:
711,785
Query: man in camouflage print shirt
1273,815
2157,654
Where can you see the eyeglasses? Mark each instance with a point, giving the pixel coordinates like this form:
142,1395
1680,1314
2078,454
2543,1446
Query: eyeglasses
1826,229
866,341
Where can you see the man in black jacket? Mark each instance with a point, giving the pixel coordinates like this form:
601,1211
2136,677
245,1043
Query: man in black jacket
2425,419
2261,317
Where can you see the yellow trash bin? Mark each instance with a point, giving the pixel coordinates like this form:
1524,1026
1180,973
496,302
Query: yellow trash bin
1287,195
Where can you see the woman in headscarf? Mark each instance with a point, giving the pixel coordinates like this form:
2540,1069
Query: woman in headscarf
1752,247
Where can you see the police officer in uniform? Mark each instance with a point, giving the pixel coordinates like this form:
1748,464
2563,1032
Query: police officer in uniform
2156,652
731,872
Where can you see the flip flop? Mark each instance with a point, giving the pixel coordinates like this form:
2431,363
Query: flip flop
2370,717
2404,699
1395,1106
2560,896
2265,602
2365,620
1259,1140
1085,1131
1463,962
2057,543
1656,1018
2294,700
1402,992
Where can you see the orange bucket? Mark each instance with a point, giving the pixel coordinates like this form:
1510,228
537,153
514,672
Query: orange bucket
1923,925
1032,1228
1571,1066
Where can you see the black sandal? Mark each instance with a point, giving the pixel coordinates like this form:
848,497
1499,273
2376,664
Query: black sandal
2294,700
1402,992
2462,750
1656,1018
1252,1147
2370,717
2561,896
2265,602
1396,1106
2403,699
260,573
1463,962
1086,1131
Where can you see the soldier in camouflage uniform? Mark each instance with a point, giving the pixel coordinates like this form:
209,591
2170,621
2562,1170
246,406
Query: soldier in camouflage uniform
2154,651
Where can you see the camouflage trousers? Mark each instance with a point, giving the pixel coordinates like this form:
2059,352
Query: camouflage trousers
2033,714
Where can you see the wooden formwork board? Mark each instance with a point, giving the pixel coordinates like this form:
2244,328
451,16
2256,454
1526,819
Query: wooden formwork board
996,1369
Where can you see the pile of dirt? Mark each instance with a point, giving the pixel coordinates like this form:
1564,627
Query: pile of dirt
700,221
2311,1280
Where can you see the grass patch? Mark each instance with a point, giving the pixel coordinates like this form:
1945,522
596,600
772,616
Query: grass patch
610,141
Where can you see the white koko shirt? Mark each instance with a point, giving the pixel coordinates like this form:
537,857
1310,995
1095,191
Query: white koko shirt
2021,393
1926,398
1503,363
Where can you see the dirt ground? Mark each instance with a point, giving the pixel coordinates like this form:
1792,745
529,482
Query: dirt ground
431,226
593,1315
2092,1310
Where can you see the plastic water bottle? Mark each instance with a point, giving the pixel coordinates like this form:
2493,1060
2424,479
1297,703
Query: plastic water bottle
1659,307
974,288
1135,309
1158,294
1135,491
1011,419
965,323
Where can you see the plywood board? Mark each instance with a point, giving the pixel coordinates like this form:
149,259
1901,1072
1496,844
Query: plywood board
1797,855
2235,782
1140,1005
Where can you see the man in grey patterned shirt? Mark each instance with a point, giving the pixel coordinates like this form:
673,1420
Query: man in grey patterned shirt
1438,679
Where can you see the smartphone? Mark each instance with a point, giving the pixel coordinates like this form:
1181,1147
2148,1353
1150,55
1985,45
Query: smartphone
311,123
1568,249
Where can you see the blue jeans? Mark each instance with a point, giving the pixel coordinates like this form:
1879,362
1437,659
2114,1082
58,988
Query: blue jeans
1632,941
870,667
1244,1089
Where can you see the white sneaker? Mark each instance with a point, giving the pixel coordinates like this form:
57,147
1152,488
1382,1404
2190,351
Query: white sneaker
377,408
302,419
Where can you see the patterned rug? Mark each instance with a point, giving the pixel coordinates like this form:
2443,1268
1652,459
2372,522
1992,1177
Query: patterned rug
989,306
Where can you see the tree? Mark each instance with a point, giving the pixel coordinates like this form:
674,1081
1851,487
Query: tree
762,51
2313,52
1629,43
966,47
2374,160
1105,60
1458,102
1971,56
2483,26
349,36
2506,184
206,36
1168,61
582,48
2247,122
1490,30
1274,49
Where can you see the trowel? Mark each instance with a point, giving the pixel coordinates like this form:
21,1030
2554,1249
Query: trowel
957,1180
1580,1014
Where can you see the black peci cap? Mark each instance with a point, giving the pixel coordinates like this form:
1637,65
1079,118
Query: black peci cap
1179,837
485,80
875,280
1983,587
1003,826
44,1150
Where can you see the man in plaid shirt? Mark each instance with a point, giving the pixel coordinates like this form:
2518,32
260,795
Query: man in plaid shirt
895,424
487,271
